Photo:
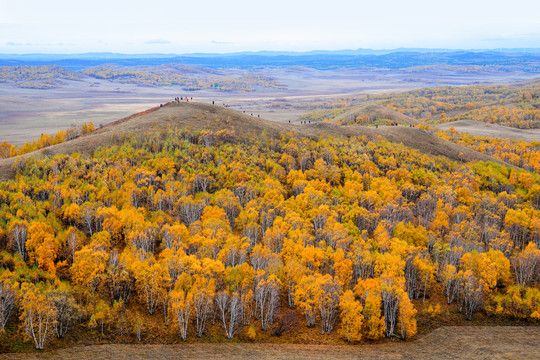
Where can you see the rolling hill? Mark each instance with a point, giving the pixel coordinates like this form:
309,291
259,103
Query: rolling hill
373,113
213,118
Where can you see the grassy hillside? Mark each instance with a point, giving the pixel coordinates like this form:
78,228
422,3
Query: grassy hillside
374,115
214,118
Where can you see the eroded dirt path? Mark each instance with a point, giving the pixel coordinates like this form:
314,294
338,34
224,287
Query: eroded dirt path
451,342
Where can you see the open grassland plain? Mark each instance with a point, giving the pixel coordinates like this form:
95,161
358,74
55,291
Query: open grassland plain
104,96
490,130
448,342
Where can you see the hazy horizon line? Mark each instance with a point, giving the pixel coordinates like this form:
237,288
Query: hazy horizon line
351,51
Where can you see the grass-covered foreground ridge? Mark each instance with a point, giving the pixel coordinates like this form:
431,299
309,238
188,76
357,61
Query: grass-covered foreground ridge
180,234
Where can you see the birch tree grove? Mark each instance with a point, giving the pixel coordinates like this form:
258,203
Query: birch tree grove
7,301
182,307
526,265
37,314
66,310
203,302
471,294
266,298
229,307
18,232
328,296
152,281
390,293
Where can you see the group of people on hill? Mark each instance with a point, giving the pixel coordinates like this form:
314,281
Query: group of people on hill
228,106
182,98
396,124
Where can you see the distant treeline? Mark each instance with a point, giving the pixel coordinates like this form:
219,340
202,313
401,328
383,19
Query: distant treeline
188,77
37,77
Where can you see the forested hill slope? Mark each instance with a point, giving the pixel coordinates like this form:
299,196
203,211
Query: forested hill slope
215,118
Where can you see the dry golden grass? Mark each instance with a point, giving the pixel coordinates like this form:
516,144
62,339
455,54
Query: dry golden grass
449,342
478,128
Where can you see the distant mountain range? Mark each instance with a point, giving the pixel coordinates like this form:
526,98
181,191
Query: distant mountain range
528,58
109,55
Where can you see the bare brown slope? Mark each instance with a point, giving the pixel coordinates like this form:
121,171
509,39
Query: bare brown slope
491,130
204,116
375,112
426,142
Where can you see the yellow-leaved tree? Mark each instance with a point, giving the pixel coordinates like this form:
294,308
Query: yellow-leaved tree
42,246
352,319
181,307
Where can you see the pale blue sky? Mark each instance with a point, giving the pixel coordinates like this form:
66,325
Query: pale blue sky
145,26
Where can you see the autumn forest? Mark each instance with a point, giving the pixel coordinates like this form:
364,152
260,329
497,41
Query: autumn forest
192,234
